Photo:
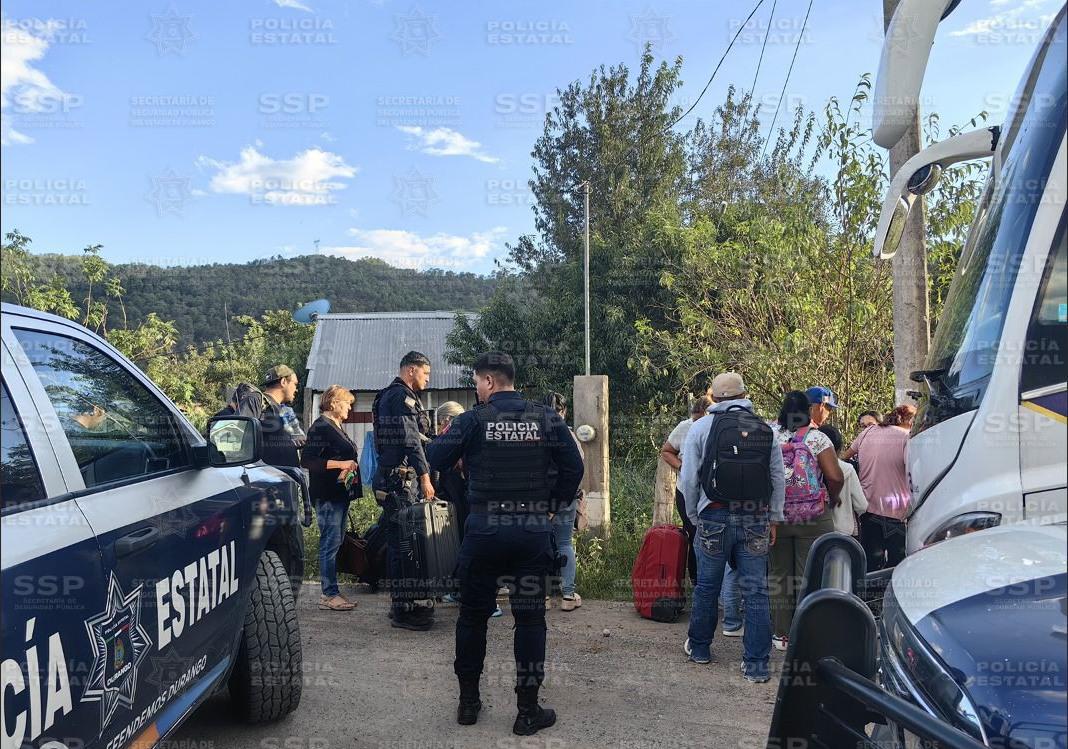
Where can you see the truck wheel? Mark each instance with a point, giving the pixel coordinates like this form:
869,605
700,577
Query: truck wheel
268,677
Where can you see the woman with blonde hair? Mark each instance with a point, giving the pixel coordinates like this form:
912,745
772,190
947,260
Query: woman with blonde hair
334,478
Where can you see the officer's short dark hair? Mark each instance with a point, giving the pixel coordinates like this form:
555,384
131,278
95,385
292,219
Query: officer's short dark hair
497,363
415,359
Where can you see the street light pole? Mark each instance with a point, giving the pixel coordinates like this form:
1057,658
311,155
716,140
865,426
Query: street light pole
586,268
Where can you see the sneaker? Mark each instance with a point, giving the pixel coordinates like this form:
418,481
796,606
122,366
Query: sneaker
733,632
689,653
780,642
755,677
497,612
571,602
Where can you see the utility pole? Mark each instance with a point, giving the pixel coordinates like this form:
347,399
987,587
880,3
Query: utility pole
586,268
912,321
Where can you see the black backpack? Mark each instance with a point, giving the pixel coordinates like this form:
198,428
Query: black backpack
735,470
242,393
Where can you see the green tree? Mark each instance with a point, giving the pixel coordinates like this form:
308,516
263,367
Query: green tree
20,283
614,132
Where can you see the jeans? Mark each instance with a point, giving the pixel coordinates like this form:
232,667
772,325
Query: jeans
331,518
731,600
563,530
512,550
720,535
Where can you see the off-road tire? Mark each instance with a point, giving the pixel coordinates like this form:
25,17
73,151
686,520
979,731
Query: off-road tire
268,676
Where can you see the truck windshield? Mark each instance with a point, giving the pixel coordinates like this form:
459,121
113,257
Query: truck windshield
965,345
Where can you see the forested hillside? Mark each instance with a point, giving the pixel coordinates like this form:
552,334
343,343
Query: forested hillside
193,296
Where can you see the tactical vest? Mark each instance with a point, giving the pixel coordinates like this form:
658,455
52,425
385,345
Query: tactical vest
514,462
378,430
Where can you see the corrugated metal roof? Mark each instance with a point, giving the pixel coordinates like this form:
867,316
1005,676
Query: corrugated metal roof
361,351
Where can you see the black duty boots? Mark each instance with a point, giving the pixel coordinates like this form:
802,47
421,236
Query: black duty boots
416,618
470,704
532,716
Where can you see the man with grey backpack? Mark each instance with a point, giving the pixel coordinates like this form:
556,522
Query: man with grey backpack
733,483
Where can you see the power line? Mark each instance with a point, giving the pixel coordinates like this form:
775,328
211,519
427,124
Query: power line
581,184
721,59
789,71
764,46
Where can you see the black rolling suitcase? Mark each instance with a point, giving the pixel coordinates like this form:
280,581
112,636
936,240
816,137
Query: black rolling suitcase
429,545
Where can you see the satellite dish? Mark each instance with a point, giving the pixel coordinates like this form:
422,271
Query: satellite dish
310,311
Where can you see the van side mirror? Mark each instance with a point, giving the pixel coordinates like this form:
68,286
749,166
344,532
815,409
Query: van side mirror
919,175
234,441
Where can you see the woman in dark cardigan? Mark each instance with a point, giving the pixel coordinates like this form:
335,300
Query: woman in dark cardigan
331,459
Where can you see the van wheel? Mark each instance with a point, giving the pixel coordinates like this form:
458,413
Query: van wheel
268,676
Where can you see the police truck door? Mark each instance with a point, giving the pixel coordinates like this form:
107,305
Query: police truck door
51,581
170,534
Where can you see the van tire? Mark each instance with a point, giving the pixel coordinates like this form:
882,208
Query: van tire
268,675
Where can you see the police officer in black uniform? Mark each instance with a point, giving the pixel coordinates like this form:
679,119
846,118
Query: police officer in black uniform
401,429
509,446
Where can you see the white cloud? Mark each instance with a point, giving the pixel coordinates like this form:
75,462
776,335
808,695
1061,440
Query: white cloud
23,87
406,249
1012,20
295,4
443,141
309,178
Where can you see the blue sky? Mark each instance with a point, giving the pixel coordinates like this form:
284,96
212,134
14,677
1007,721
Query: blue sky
182,133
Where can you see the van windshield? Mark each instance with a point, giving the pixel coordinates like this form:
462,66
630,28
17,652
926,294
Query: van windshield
962,354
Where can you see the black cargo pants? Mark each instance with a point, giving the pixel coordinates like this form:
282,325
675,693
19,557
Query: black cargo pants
397,493
504,549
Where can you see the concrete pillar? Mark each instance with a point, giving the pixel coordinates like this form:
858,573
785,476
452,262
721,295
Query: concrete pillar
590,408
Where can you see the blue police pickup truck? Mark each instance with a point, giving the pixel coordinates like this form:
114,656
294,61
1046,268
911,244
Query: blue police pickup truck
143,568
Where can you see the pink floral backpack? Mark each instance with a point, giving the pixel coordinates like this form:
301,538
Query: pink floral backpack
806,496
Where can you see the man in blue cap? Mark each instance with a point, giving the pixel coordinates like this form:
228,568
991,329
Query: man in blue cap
821,403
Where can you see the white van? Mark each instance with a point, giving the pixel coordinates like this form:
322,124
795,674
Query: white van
990,439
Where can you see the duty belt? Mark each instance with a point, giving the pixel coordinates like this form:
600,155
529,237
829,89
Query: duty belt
508,507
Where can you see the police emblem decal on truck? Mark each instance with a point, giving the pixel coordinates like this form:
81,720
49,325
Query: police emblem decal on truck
119,644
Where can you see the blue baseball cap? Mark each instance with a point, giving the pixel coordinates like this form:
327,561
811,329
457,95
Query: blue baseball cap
817,395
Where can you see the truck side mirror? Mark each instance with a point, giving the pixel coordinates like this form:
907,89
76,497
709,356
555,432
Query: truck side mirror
234,441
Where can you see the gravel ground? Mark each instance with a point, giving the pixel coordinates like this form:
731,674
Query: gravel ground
369,685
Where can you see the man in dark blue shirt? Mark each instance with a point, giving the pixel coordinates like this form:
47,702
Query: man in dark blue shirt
509,447
401,429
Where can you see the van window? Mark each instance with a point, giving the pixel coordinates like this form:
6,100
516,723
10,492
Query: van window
1046,357
967,337
20,479
116,428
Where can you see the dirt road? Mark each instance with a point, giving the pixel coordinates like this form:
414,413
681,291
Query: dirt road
369,685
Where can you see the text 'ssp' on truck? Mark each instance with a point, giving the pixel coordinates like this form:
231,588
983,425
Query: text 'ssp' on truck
990,439
143,568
